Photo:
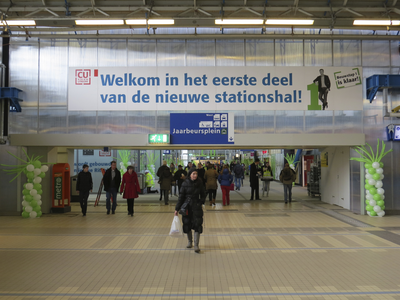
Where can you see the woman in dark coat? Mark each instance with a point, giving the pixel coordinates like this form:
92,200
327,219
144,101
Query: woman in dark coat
193,195
166,182
84,184
130,187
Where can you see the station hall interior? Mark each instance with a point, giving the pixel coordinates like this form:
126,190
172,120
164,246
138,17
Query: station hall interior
314,84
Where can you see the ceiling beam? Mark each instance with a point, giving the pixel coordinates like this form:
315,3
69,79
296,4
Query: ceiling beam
354,12
344,2
304,12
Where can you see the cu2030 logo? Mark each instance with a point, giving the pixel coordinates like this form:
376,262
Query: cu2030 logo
83,76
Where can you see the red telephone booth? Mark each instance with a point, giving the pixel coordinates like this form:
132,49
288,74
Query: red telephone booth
61,197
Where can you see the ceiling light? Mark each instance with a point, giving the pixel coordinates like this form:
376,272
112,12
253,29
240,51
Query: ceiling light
376,22
19,22
239,22
150,22
288,22
99,22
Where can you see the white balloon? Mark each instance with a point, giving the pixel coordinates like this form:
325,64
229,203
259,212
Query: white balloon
25,203
375,165
368,213
28,208
33,192
381,213
129,163
291,165
121,163
382,176
372,202
39,202
29,186
369,197
30,168
366,171
23,197
379,184
37,197
368,176
37,172
379,170
383,197
33,214
368,193
37,180
377,208
44,169
372,181
380,191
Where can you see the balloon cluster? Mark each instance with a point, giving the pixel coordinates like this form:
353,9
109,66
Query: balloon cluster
125,156
375,194
32,192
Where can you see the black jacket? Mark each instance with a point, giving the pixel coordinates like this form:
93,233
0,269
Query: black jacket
160,170
195,193
327,82
253,174
201,173
107,179
84,183
178,176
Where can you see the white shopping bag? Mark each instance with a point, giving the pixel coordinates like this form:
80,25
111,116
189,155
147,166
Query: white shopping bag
176,228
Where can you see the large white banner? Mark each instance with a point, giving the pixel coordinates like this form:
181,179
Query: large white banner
214,88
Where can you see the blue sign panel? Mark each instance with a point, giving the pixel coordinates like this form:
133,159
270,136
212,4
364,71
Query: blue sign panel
396,133
211,128
166,152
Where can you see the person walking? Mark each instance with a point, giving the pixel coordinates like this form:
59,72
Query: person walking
159,174
165,185
180,177
238,171
190,201
210,178
200,173
266,171
173,183
111,181
254,179
130,187
225,180
84,185
287,177
149,182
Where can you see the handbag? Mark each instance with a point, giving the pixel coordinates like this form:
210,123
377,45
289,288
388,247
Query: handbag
232,187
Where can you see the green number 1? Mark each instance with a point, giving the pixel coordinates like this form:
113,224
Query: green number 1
313,88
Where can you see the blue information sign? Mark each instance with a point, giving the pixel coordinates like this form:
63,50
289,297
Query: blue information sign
210,128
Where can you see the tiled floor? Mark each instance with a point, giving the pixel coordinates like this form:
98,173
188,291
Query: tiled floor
249,250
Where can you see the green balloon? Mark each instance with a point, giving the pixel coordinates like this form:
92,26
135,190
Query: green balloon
25,214
381,164
26,192
41,175
371,171
369,208
383,207
24,186
373,213
367,202
368,186
368,166
39,192
380,203
30,175
372,191
39,214
28,198
376,176
37,186
30,180
25,171
37,208
37,164
33,203
377,197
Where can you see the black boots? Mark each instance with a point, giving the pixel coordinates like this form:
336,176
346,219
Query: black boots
190,240
196,242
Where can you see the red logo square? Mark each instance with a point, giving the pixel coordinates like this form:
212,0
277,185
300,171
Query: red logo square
83,77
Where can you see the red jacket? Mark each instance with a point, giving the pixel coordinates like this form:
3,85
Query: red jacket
130,185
